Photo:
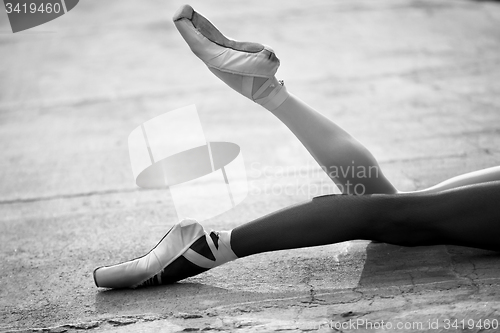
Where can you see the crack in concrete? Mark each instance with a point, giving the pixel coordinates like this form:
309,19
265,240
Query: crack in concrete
307,281
191,320
95,324
416,181
70,196
462,275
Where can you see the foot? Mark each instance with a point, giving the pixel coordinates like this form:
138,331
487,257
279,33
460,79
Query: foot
186,250
248,68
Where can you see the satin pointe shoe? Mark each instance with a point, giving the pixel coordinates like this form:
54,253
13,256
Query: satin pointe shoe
248,68
186,250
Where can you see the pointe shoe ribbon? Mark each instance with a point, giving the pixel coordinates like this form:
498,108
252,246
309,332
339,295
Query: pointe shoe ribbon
220,248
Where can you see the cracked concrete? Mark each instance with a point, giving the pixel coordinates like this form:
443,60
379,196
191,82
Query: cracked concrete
418,82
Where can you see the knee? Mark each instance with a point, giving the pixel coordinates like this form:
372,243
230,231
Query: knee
404,222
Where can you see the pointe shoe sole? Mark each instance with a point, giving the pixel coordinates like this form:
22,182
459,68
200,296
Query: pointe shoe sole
219,52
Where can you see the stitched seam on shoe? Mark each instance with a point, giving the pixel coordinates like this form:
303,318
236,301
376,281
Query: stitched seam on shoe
224,51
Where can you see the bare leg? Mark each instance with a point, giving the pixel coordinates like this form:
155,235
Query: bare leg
476,177
336,151
467,216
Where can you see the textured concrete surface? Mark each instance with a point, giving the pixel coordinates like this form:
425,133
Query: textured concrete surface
418,82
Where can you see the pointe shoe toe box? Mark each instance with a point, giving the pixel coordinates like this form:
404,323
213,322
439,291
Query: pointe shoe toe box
229,56
185,11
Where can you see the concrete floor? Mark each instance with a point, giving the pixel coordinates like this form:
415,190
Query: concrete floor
418,82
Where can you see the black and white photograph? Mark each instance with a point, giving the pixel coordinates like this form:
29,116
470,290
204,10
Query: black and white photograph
260,166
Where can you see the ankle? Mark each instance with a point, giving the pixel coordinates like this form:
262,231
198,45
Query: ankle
266,91
277,95
223,252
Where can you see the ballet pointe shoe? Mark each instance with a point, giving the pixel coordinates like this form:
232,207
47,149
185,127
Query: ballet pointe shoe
248,68
186,250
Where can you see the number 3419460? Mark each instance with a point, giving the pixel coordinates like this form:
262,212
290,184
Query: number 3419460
32,8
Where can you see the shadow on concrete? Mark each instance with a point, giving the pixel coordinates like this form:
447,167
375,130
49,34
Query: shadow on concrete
386,267
150,299
427,266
